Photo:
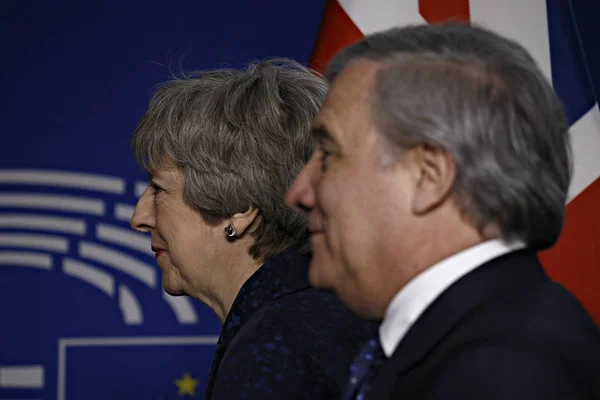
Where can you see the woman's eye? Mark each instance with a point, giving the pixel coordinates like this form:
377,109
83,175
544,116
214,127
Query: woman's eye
155,189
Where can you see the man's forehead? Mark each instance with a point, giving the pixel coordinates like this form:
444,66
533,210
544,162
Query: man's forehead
352,87
358,75
348,99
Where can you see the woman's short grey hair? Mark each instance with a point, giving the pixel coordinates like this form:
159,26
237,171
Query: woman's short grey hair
240,137
481,98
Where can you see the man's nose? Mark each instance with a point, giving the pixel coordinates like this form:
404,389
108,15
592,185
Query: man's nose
301,195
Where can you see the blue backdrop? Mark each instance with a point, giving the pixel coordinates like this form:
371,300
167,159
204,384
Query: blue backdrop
82,311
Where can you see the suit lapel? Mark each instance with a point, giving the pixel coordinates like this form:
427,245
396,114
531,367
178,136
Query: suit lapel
455,303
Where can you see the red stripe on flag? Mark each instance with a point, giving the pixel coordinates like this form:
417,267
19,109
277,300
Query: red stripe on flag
337,31
575,260
438,11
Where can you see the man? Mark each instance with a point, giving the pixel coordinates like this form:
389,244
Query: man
442,166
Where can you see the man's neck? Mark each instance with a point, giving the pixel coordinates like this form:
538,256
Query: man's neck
434,242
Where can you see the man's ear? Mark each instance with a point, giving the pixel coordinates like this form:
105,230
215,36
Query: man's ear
245,221
436,175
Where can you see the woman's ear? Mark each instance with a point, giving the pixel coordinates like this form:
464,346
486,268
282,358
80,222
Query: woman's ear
243,222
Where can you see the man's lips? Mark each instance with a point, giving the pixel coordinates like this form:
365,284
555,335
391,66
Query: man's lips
313,233
314,224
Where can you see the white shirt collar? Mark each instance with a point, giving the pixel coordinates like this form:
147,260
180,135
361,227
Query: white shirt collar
412,300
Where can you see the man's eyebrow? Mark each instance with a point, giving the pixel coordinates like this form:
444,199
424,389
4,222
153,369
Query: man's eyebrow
320,134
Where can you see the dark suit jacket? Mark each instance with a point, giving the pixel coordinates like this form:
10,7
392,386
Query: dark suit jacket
283,339
503,331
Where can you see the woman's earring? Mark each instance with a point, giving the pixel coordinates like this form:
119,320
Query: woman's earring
230,232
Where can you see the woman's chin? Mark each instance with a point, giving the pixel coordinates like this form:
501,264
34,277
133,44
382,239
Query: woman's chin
171,287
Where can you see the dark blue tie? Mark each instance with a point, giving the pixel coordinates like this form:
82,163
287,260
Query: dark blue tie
363,369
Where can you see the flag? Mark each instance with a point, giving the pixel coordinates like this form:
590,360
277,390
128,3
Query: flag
560,35
156,368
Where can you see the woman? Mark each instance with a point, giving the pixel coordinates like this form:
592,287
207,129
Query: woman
221,148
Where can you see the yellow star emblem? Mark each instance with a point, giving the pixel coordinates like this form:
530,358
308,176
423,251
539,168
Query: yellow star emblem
186,385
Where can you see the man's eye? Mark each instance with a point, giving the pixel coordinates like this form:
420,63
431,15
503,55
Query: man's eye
324,155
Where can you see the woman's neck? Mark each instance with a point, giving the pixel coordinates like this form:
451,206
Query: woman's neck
239,272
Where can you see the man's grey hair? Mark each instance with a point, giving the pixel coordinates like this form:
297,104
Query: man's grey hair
481,98
240,137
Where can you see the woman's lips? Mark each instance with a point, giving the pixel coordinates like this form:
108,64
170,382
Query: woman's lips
157,251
